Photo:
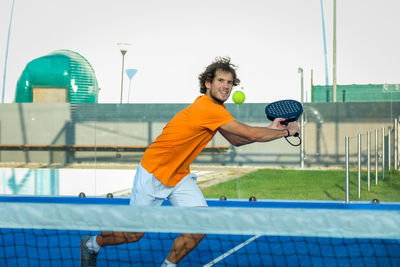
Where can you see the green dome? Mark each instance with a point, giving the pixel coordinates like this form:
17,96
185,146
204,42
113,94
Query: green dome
65,72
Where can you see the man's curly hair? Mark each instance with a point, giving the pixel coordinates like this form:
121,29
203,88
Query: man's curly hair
220,63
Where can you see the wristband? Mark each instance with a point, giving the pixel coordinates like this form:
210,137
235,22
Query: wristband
288,133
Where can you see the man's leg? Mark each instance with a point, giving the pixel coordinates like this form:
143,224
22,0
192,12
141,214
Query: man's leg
182,245
140,196
186,194
90,246
117,238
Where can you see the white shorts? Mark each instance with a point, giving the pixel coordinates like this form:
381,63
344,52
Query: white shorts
147,190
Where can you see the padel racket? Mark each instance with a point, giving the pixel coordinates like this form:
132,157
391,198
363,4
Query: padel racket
288,109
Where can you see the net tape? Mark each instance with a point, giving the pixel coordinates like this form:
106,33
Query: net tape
340,223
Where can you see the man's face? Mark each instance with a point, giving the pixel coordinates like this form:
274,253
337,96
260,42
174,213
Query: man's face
221,86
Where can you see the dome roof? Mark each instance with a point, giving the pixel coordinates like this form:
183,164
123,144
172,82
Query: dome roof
61,69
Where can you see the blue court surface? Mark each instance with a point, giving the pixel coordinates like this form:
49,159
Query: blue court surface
32,247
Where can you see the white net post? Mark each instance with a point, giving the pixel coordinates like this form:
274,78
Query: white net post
347,169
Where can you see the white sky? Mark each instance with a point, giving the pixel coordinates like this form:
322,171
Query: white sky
173,40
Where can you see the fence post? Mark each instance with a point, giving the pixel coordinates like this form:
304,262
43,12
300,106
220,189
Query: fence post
376,156
359,165
347,168
383,153
396,143
389,149
369,159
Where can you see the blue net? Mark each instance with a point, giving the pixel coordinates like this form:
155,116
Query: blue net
244,234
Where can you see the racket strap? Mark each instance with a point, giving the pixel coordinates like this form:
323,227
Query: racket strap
292,143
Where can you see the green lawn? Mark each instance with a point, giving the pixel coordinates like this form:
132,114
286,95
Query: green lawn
307,185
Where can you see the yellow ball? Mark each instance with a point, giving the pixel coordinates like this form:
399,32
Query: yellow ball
238,97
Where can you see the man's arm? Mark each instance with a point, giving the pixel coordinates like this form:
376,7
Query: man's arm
239,134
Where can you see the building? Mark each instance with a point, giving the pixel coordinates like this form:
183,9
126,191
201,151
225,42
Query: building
62,76
356,93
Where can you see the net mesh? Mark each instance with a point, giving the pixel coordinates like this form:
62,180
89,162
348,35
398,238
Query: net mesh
35,234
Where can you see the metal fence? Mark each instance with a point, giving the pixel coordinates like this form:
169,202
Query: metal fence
379,155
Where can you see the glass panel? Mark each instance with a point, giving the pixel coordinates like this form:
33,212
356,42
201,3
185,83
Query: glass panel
65,149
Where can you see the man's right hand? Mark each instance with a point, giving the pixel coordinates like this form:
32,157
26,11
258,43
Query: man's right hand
293,128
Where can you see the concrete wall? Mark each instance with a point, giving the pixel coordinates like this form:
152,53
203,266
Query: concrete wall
326,125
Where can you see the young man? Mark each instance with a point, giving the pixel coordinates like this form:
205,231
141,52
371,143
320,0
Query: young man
164,173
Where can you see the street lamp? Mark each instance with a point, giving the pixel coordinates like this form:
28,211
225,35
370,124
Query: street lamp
123,48
300,70
123,52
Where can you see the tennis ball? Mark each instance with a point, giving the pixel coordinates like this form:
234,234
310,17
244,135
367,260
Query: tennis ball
238,97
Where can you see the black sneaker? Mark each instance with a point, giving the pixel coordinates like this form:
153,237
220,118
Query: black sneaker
88,257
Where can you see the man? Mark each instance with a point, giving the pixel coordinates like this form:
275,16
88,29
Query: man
164,173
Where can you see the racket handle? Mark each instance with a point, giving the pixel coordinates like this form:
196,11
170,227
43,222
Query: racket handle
286,122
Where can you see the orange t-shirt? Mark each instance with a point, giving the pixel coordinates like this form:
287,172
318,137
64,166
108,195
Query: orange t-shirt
169,157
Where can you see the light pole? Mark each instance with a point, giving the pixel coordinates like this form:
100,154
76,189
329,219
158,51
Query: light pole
123,52
325,54
300,70
334,52
6,56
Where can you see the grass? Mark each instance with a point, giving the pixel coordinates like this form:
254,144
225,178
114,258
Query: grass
307,185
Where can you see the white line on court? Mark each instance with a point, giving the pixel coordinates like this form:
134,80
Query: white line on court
233,250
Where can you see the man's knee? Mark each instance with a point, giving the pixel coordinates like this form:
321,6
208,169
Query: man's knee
195,237
132,237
